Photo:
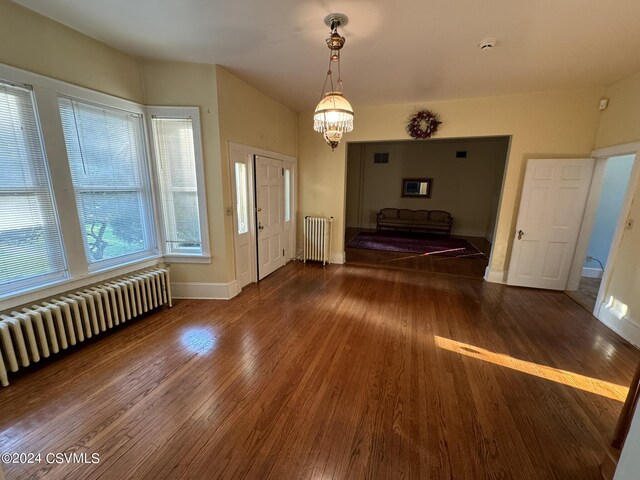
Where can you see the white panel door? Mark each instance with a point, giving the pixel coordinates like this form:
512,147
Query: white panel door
552,205
269,214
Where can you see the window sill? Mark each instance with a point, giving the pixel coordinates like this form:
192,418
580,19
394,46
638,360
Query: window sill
110,266
70,284
187,259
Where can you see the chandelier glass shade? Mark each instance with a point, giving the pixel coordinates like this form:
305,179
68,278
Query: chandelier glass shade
333,115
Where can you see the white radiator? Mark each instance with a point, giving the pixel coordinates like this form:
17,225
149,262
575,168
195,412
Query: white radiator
42,330
317,239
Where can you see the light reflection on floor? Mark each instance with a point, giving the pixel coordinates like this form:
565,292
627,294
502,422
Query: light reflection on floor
575,380
198,340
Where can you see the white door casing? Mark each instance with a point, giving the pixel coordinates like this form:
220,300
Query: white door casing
269,214
552,206
242,187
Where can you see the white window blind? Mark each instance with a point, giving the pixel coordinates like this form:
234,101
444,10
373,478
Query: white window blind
31,252
175,156
105,148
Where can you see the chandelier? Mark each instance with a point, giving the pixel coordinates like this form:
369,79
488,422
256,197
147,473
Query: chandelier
334,115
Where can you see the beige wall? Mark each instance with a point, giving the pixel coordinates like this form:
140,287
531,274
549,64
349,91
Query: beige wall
249,117
231,110
462,186
621,124
35,43
541,125
629,463
555,124
191,84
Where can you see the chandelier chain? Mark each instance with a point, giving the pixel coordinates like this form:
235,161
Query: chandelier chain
333,115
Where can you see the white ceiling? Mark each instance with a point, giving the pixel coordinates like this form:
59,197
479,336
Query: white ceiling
396,51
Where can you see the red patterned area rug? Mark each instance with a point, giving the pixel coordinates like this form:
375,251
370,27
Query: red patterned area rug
416,243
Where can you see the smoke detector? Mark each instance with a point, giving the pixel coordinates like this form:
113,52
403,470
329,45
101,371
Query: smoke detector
487,44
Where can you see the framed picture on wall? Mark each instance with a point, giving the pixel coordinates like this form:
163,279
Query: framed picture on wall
417,187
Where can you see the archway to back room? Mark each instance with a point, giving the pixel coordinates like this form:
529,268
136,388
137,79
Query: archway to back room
429,206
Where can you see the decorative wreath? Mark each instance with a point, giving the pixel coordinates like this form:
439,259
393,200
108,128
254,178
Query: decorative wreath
423,124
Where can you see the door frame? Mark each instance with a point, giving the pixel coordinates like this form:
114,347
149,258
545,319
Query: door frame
249,153
601,155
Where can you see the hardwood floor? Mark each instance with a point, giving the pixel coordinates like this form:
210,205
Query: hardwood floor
335,372
587,292
461,267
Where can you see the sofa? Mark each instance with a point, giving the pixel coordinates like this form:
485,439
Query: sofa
414,220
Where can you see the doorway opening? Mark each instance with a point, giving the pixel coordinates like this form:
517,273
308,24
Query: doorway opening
428,206
606,207
264,199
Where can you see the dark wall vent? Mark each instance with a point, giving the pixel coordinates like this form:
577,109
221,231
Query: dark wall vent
380,158
461,154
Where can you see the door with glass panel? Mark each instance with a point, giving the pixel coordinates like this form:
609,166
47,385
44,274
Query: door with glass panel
263,213
242,218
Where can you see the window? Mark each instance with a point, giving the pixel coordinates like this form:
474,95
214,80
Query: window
178,160
105,148
31,252
111,201
241,196
287,195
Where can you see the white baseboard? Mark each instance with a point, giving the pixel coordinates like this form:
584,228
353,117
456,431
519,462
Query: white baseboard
337,258
591,272
468,232
206,291
495,276
623,326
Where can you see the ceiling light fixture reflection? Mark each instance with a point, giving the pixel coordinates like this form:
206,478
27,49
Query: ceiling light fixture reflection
198,340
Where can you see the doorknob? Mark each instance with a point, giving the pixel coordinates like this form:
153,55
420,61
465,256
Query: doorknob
260,227
259,209
520,234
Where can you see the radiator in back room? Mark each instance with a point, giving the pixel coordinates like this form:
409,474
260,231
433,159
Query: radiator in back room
43,330
317,239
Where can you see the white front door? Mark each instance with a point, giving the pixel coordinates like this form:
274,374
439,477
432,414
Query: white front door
552,205
269,214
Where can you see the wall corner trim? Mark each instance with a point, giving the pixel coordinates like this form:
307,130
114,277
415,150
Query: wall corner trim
337,258
205,291
495,276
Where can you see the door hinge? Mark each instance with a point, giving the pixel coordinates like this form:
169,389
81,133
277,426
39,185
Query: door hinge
283,252
283,172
